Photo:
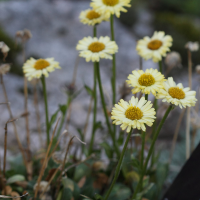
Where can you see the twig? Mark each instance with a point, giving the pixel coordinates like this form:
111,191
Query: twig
5,148
72,83
87,118
54,149
176,135
54,174
45,160
37,114
14,125
78,163
5,103
64,161
26,110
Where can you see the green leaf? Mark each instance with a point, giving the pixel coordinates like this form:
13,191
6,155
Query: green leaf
15,178
120,192
161,174
68,183
139,195
80,171
53,119
98,125
89,91
80,133
98,197
108,149
63,108
66,194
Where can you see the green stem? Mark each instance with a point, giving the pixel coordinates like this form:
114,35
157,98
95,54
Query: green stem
94,31
146,97
63,117
142,151
154,129
113,79
139,185
118,166
46,108
160,67
105,111
94,109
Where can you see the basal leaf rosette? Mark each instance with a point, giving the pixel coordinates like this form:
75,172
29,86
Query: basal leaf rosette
176,94
150,81
92,49
155,47
92,17
35,68
110,6
133,114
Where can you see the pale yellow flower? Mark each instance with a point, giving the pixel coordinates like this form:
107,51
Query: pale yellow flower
110,6
150,81
176,94
133,114
33,68
91,17
155,47
93,48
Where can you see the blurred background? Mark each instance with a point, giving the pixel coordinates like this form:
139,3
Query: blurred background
56,30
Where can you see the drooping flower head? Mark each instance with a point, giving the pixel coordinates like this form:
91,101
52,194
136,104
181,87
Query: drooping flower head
33,68
93,48
150,81
155,47
176,94
92,17
133,114
110,6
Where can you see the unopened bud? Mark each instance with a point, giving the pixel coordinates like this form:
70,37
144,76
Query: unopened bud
173,59
197,69
192,46
4,68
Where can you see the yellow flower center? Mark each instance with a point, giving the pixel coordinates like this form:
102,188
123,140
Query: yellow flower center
110,2
155,44
146,80
96,47
41,64
92,15
133,113
176,92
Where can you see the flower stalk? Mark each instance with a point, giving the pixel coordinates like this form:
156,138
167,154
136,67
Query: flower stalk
118,166
95,101
139,185
105,111
113,79
46,108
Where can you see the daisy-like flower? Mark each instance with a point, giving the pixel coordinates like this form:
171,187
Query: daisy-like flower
91,17
154,47
133,114
33,68
177,94
150,81
110,6
94,48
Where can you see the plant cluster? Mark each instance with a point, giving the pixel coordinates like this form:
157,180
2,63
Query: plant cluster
131,172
